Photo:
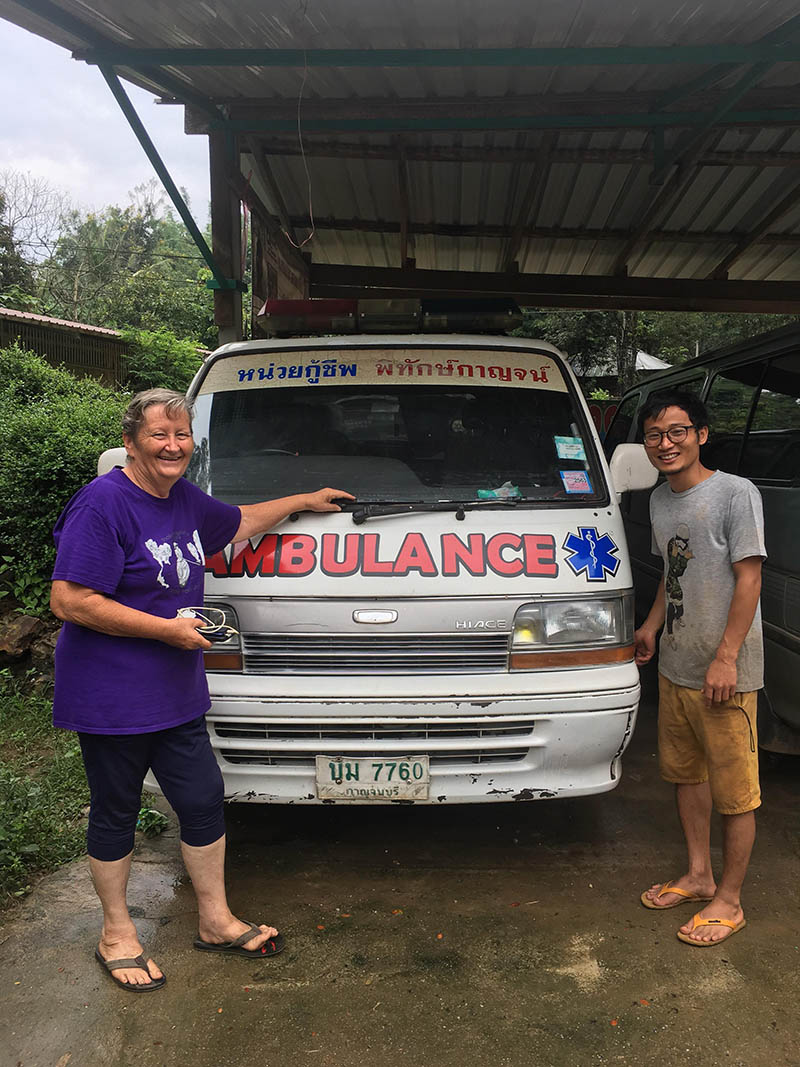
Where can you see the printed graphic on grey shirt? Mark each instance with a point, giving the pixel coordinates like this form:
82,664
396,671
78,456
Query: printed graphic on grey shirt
700,534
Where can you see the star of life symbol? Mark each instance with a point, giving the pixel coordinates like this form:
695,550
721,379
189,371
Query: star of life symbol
591,552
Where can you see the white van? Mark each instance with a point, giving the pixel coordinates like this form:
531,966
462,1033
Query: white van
463,632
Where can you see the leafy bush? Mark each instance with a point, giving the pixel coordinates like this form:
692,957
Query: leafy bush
43,790
53,427
158,359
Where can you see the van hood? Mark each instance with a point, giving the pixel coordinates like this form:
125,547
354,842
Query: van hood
530,551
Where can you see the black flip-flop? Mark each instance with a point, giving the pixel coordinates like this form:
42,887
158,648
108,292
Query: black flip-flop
138,962
271,947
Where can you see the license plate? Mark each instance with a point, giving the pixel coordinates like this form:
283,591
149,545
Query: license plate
364,780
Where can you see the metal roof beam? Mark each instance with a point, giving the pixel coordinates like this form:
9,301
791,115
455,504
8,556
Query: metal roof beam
163,82
758,231
716,74
564,290
495,154
531,201
690,142
135,123
496,120
621,55
695,141
468,231
404,202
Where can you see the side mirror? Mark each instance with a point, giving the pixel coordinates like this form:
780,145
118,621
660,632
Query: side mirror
631,469
111,458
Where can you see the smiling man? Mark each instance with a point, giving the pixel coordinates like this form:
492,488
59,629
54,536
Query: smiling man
708,528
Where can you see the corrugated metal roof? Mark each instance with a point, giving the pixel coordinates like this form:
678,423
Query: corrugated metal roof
47,320
569,199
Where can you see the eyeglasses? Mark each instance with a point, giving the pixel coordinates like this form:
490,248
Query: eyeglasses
676,434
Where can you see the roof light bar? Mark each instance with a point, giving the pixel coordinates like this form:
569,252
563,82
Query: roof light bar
287,318
389,316
477,316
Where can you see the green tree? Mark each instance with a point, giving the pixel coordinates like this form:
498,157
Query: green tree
53,427
680,335
131,266
586,336
157,358
16,276
604,341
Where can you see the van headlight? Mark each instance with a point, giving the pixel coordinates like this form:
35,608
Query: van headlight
226,651
573,633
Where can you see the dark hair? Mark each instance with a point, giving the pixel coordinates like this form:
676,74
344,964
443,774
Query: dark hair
674,398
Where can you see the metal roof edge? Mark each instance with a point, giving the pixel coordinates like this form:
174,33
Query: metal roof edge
48,320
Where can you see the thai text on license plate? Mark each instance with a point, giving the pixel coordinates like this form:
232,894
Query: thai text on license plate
370,779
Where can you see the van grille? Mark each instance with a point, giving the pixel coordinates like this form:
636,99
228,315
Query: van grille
479,741
281,653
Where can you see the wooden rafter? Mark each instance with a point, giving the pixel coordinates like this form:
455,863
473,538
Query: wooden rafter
558,290
254,202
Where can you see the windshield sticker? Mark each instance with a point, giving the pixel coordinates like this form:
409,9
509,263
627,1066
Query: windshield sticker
569,447
508,555
591,553
403,366
576,481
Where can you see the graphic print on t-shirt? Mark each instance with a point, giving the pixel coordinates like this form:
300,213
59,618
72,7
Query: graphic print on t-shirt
163,554
678,556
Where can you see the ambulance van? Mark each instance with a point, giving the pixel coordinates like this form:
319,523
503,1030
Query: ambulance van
463,632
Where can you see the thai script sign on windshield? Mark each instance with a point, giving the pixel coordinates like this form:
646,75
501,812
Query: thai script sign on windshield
315,367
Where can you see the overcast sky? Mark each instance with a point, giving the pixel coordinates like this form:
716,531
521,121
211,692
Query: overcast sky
60,122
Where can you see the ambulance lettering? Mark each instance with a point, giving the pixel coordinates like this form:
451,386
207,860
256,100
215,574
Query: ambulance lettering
509,555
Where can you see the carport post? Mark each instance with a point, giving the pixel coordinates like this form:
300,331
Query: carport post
226,234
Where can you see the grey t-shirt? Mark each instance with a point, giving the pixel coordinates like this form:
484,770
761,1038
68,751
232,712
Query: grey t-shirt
699,534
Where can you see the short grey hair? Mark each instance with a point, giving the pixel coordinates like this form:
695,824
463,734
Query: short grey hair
174,404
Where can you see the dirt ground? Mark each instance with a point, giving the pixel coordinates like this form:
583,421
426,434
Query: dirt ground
502,935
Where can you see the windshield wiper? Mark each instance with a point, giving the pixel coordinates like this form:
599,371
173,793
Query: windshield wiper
460,507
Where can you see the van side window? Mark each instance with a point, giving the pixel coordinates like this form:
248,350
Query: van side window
619,430
729,401
772,449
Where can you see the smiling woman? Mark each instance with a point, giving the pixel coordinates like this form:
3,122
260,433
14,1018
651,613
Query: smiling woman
129,672
157,433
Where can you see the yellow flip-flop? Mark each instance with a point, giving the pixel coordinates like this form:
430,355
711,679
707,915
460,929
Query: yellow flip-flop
668,887
698,920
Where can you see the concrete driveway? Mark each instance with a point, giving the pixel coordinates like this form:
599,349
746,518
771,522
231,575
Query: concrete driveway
503,935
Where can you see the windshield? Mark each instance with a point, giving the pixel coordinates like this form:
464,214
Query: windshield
399,441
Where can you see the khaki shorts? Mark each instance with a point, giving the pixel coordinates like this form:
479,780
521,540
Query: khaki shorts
717,744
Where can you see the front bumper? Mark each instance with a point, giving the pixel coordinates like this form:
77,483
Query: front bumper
482,749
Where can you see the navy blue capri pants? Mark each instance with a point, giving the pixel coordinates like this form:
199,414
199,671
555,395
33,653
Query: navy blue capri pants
183,763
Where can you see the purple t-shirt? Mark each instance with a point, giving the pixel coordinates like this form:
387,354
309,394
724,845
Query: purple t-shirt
147,553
